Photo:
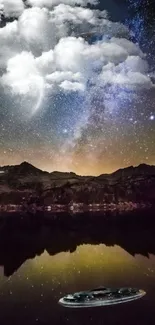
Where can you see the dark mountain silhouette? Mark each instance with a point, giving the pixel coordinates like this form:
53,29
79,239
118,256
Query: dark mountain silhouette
142,169
134,184
27,168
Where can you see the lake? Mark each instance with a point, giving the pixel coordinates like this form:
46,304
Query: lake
41,267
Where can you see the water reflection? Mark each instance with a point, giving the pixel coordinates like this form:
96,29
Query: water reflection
44,264
135,236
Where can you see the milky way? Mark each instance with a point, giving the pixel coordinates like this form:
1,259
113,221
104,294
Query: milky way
76,86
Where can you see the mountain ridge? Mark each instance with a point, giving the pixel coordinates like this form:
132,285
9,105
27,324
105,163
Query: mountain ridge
24,181
26,166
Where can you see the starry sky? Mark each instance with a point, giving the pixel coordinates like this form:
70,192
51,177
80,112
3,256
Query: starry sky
77,84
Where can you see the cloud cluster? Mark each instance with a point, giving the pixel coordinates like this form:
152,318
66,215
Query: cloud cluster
46,50
11,8
52,3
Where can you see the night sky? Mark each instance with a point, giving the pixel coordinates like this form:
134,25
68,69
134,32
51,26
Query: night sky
77,84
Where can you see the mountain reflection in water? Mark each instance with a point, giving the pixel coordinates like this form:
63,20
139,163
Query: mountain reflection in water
136,236
44,263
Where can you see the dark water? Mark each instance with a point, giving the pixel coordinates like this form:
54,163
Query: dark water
41,266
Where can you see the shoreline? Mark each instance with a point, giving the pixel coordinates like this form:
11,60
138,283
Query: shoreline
75,207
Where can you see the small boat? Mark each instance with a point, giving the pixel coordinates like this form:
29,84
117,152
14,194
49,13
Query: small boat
101,297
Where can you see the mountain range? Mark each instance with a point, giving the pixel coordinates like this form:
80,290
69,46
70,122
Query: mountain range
136,184
26,168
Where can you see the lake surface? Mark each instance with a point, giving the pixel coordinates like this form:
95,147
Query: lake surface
30,295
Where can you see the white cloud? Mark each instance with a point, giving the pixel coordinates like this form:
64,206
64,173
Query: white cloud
44,50
72,86
9,48
51,3
130,47
12,8
134,64
71,64
134,80
72,50
131,73
45,62
39,30
60,76
22,75
64,13
34,28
